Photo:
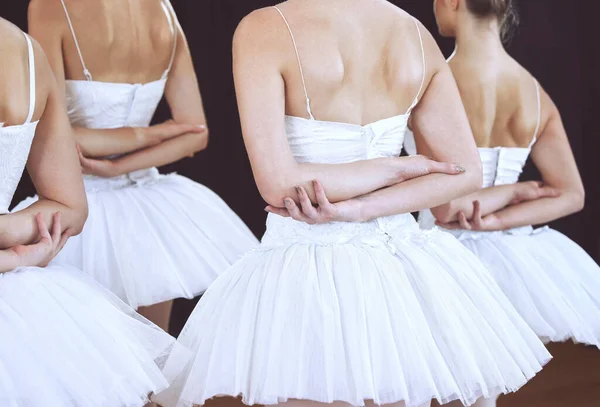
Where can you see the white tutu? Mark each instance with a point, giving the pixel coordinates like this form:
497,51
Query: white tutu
552,282
150,238
68,342
352,312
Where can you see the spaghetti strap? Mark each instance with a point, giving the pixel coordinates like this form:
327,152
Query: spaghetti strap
539,113
299,63
166,5
32,85
416,101
86,73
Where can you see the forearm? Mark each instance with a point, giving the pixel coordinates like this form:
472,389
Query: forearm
539,211
8,261
341,181
420,193
164,153
491,200
20,228
106,142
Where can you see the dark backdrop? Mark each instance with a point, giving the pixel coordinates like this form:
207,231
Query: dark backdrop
557,41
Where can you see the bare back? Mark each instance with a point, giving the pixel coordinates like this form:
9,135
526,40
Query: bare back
501,100
124,41
360,64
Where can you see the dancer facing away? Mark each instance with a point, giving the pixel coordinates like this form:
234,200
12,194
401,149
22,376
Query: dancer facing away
353,304
66,341
550,280
149,238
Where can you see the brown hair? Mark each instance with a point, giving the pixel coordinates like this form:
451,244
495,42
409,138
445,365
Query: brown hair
503,10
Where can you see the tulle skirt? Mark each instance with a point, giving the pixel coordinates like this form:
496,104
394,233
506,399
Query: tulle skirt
150,238
353,312
68,342
552,282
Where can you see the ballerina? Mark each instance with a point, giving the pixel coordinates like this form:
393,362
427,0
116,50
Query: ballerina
350,303
66,341
149,238
551,281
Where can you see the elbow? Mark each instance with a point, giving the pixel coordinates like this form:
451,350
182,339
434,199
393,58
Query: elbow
473,178
81,215
443,213
200,142
577,200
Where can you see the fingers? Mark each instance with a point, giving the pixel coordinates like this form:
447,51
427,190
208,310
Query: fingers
295,212
463,222
42,228
477,219
307,207
278,211
549,192
444,168
63,240
56,228
321,197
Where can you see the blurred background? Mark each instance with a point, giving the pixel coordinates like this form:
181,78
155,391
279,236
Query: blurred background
557,41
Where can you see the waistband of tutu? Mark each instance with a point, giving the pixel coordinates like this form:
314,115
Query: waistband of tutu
477,235
134,178
386,232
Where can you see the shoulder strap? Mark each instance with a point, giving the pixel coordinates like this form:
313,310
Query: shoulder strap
87,73
299,63
539,113
31,79
416,101
174,30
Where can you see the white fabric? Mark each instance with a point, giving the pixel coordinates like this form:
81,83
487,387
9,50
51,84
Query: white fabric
552,282
149,238
353,311
65,340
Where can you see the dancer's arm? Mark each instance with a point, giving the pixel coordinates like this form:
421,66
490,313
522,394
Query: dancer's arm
53,167
260,91
187,131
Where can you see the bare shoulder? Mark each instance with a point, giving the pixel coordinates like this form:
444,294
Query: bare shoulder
49,12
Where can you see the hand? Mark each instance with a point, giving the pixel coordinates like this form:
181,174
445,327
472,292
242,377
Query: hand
158,133
98,166
324,212
49,245
478,223
532,190
420,165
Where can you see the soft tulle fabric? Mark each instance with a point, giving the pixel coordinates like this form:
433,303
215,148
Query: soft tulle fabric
68,342
150,238
352,312
552,282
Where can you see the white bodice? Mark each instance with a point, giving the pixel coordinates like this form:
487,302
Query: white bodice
316,141
15,143
105,105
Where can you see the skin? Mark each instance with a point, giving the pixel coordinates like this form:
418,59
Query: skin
500,99
349,33
145,42
24,236
145,31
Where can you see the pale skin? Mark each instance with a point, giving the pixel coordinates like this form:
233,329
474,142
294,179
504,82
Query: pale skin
25,238
145,31
353,38
490,82
269,86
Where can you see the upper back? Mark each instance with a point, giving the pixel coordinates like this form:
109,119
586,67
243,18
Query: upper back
19,107
122,41
361,61
501,100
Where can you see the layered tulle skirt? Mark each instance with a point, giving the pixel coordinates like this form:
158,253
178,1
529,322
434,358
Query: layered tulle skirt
353,312
552,282
66,341
150,238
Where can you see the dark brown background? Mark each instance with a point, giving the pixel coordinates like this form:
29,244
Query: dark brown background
557,41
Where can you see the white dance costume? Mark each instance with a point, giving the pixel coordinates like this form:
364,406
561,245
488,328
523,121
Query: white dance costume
149,238
66,341
552,282
377,310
